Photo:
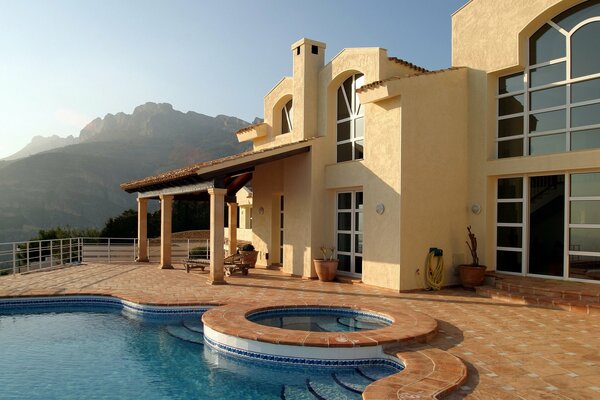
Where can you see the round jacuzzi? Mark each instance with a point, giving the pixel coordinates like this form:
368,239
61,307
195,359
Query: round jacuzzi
320,319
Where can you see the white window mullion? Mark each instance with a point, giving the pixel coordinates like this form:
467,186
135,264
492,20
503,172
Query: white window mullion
525,231
567,226
526,107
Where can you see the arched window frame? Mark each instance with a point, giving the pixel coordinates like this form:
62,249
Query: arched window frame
355,141
287,122
525,92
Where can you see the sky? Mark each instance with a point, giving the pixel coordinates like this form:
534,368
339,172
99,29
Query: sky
65,62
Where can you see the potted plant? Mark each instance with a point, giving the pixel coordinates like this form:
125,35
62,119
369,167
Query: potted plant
249,254
473,274
326,267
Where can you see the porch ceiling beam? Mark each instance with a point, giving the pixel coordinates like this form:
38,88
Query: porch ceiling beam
178,190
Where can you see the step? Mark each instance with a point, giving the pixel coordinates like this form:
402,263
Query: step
296,393
565,290
183,333
195,326
351,380
327,388
347,279
540,300
372,372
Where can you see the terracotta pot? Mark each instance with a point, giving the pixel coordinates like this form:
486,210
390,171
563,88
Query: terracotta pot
326,269
471,276
249,257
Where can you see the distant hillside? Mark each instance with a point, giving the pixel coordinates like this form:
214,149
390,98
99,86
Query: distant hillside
40,144
79,184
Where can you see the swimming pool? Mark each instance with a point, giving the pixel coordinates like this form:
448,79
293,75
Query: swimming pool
96,350
320,319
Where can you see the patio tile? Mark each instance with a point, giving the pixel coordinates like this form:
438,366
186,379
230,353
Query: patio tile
509,349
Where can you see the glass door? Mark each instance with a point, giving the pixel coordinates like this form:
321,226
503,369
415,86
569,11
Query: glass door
547,225
349,236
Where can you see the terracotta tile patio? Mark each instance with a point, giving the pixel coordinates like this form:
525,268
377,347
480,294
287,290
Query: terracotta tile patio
511,351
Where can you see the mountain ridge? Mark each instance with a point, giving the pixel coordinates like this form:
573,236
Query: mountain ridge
78,184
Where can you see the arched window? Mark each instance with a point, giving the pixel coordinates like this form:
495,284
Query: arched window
350,120
286,118
554,105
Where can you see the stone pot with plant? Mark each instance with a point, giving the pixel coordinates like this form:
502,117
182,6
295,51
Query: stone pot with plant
249,254
326,267
473,274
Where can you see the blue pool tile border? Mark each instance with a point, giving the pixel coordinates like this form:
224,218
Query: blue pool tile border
16,304
299,361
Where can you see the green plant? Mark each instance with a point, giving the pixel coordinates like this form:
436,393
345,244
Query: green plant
199,252
328,252
248,247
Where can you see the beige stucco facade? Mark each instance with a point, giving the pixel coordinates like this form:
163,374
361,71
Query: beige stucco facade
423,162
429,149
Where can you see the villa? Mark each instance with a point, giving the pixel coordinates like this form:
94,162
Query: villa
383,159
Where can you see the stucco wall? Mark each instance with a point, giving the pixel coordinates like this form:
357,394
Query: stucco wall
490,35
381,182
434,189
267,185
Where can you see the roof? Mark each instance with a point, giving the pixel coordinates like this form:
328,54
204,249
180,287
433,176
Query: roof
407,64
249,128
382,82
201,171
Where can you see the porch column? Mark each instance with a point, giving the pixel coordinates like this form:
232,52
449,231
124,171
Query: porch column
233,207
142,230
217,236
166,211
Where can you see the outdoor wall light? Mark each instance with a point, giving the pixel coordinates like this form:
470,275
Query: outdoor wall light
380,208
476,209
261,210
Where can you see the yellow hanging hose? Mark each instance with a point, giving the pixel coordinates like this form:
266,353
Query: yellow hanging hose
435,275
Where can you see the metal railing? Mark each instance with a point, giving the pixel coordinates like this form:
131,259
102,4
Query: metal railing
19,257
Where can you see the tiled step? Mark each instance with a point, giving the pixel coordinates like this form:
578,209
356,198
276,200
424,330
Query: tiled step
183,333
347,279
329,389
557,290
195,326
351,381
546,298
296,393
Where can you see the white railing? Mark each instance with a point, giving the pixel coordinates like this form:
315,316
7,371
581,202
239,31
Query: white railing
19,257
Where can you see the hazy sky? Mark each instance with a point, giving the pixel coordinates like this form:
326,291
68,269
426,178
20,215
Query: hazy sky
66,62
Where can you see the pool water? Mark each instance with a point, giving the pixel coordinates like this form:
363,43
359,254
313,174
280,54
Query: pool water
105,355
317,321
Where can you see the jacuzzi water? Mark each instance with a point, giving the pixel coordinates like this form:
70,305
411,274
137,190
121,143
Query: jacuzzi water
104,355
319,319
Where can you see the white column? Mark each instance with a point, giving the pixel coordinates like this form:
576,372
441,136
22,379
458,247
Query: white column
217,236
142,255
166,213
233,207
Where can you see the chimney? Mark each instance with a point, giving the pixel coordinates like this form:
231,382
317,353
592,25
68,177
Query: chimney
309,56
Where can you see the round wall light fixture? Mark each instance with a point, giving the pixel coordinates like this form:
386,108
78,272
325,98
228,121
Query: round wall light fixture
380,208
261,210
476,209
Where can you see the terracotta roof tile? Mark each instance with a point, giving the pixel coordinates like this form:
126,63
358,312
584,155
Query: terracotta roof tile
192,170
249,128
407,64
376,84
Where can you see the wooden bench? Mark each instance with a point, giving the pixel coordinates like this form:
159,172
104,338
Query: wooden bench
231,264
191,263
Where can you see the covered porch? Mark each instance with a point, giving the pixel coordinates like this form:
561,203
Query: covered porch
215,182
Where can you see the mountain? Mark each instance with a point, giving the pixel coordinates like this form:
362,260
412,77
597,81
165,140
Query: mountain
42,143
78,184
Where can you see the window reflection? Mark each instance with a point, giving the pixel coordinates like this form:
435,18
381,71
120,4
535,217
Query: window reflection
585,57
545,45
